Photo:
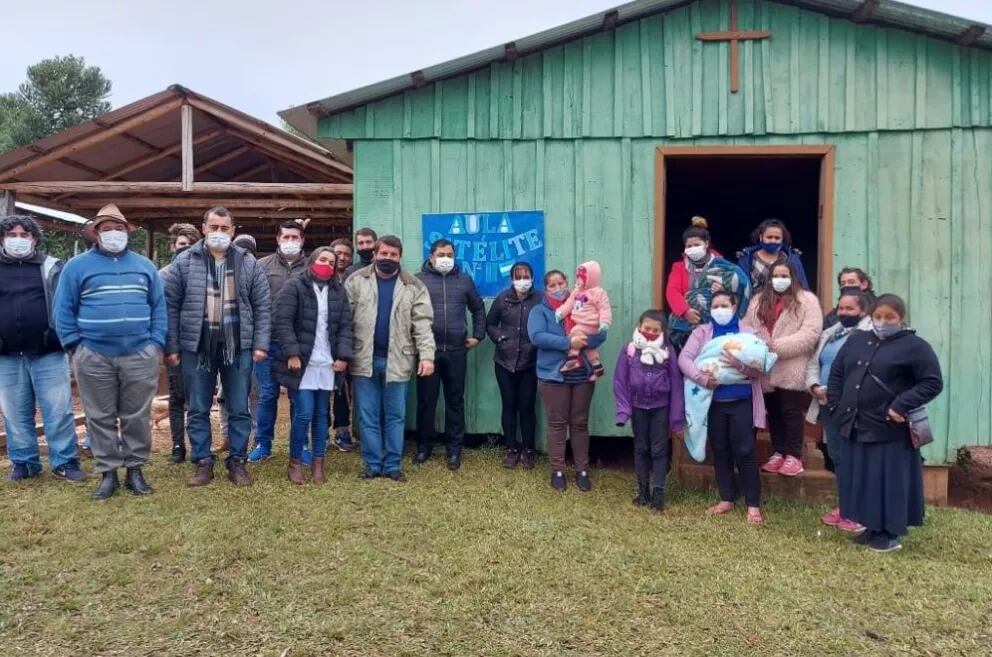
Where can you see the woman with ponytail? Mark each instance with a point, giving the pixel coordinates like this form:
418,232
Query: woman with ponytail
314,329
693,280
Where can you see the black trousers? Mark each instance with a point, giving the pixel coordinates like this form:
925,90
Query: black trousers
731,434
177,406
787,420
651,446
449,372
342,404
518,391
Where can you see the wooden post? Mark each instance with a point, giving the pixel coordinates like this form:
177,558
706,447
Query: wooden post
186,112
7,206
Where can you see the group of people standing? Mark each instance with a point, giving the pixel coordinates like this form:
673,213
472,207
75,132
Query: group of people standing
346,339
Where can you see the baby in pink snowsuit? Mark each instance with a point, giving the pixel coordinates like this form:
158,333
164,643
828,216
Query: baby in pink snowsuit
588,307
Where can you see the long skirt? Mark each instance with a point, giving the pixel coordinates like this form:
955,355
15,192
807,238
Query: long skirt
883,485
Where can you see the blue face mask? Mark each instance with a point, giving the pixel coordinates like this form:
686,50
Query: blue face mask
559,295
771,247
883,330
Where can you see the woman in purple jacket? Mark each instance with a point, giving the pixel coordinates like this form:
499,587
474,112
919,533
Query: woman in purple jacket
735,412
647,386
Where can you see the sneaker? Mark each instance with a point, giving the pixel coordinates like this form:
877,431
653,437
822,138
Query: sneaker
306,458
864,538
791,467
850,526
262,452
558,481
178,454
831,518
19,472
397,475
882,543
774,464
69,471
511,459
528,460
582,481
343,440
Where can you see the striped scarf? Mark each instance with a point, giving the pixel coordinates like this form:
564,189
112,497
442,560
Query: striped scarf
222,318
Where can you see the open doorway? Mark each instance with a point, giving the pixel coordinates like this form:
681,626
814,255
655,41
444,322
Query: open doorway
735,188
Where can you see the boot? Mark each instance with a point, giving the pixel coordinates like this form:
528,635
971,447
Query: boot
178,454
238,474
135,482
295,472
317,470
203,475
658,499
108,486
643,494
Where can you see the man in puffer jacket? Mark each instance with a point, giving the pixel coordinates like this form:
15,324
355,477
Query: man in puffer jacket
452,293
220,318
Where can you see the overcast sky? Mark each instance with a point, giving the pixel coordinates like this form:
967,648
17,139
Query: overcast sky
287,53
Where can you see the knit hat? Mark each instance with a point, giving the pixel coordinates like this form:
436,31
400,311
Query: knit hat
109,212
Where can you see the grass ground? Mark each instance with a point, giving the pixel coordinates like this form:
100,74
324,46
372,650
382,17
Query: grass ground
481,562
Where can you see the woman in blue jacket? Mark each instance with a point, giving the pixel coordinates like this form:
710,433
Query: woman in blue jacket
772,245
566,395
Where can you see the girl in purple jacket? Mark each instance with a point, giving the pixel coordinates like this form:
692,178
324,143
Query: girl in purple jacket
647,386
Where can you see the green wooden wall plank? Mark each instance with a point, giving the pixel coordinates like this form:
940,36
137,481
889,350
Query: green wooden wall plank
573,74
601,75
422,111
630,97
532,102
483,90
454,108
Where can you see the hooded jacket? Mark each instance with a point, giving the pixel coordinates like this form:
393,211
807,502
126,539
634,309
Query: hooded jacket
27,291
589,307
789,254
451,295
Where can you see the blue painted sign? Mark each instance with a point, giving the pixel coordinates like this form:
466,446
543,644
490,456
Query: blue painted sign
487,244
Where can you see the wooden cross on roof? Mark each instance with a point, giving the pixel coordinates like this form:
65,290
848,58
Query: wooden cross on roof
734,36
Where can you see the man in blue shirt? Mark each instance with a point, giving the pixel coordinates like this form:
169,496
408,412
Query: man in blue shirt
110,315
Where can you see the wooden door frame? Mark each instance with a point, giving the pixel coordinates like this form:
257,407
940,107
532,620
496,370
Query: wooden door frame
826,153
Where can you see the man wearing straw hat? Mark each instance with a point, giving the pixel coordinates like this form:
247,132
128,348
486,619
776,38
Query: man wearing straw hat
110,315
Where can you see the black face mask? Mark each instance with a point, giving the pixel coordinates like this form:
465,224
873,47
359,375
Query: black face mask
387,267
848,321
365,255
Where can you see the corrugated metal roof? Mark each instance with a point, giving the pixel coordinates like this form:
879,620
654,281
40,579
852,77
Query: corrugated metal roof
886,13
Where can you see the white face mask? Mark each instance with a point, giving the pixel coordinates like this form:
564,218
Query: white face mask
218,241
722,316
781,284
290,248
444,265
18,247
695,252
114,241
523,285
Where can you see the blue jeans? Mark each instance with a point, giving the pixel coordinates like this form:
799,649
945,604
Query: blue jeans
24,381
836,449
200,383
382,451
311,415
268,397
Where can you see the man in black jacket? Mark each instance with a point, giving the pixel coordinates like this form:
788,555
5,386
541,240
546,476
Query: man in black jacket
33,366
452,293
365,240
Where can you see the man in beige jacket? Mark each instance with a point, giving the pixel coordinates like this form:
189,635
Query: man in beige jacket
393,316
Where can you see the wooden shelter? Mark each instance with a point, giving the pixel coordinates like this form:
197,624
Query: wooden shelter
171,156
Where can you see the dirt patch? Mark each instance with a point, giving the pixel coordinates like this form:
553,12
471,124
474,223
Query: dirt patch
970,485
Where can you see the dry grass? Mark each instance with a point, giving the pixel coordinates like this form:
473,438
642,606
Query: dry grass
481,562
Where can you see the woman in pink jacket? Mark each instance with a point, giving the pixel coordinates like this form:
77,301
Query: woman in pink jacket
735,412
788,318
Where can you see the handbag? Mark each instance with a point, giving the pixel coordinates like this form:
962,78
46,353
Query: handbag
920,433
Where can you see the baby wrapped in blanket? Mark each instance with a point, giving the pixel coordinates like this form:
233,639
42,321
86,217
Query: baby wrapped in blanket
750,351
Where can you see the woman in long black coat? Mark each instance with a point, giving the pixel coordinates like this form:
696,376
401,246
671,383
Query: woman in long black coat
314,329
877,378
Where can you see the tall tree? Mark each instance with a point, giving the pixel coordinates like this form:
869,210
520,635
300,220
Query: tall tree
58,93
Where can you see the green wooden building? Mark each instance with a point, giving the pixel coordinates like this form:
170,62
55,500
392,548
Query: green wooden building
865,125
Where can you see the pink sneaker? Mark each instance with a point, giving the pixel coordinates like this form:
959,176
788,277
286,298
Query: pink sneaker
850,526
831,518
791,467
774,464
